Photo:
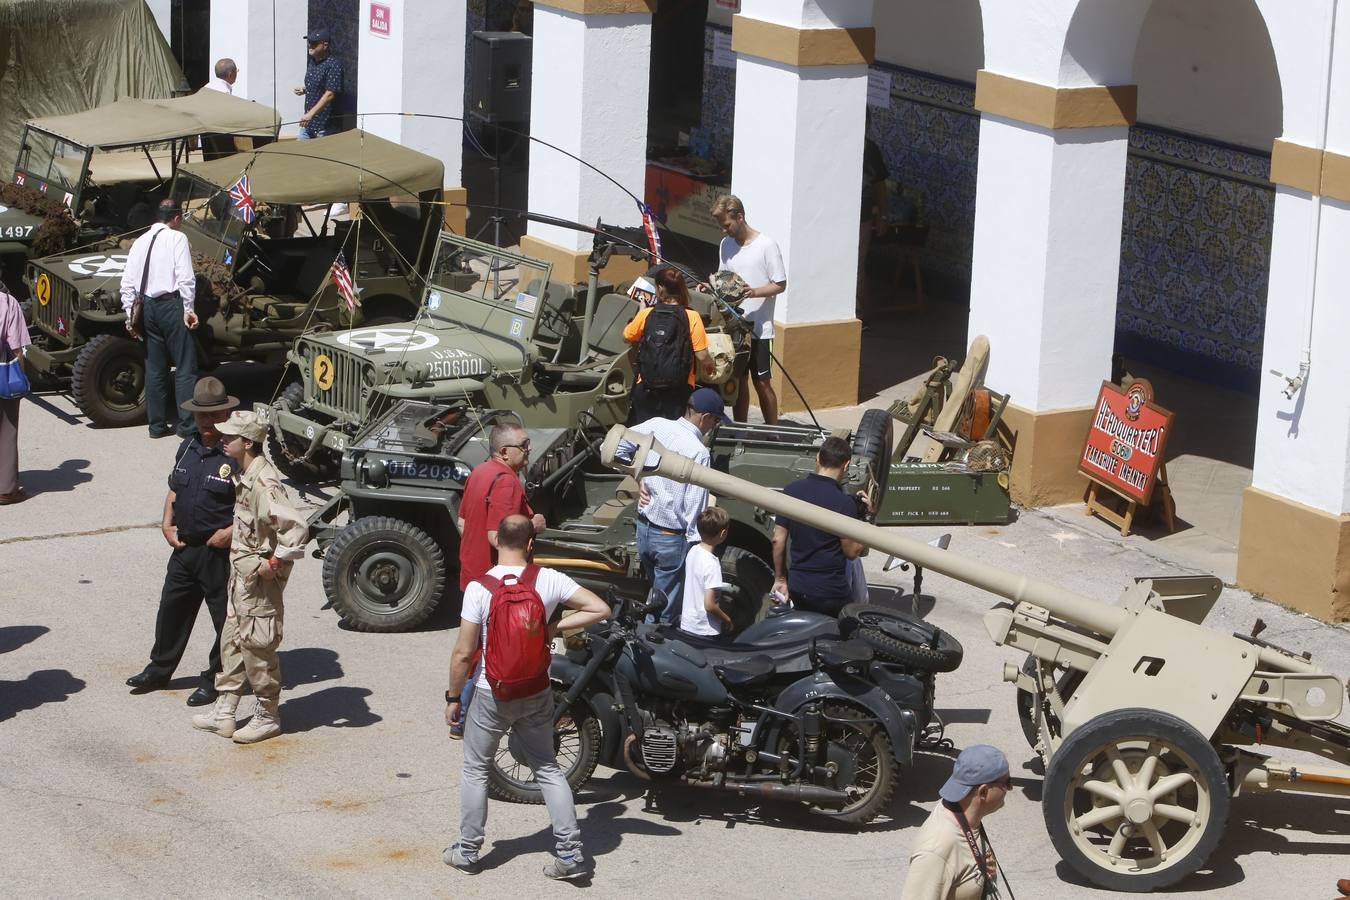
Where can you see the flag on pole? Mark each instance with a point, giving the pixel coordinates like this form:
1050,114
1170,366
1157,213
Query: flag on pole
243,200
649,226
342,277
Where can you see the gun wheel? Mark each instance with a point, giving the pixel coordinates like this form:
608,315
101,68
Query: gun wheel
1135,800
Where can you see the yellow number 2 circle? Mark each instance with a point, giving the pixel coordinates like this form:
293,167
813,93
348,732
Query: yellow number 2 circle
43,288
323,372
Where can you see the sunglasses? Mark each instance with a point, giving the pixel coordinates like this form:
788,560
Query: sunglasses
524,448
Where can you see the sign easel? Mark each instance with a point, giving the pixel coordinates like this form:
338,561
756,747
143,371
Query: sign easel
1122,456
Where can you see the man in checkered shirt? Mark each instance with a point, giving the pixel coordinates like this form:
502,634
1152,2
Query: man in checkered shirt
668,511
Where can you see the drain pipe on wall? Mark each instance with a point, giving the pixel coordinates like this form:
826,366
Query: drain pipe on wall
1296,384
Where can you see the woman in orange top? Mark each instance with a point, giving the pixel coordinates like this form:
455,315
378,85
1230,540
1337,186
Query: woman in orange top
669,401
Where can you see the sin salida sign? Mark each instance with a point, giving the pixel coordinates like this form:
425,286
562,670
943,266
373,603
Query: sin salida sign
1126,440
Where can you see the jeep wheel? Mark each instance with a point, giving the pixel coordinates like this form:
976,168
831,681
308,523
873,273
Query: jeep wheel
108,381
287,451
749,579
872,447
384,575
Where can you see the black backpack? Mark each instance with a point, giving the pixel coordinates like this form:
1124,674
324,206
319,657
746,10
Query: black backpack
665,354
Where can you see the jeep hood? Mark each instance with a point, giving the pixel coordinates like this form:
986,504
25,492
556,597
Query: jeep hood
17,226
88,272
447,351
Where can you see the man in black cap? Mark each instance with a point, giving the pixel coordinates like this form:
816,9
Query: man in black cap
159,271
198,524
323,83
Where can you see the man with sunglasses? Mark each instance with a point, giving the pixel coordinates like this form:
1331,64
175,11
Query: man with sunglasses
493,492
952,858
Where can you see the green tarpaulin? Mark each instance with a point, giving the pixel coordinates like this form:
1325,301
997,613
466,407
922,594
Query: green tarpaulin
347,167
128,122
64,56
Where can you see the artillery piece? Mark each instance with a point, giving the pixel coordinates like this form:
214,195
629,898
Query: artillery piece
1141,714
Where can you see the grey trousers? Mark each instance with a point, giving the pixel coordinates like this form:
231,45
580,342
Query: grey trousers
9,445
530,720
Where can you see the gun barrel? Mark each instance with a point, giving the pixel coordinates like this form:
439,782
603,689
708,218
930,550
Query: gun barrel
640,455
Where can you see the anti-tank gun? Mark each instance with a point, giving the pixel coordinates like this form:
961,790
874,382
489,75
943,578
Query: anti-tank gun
1142,715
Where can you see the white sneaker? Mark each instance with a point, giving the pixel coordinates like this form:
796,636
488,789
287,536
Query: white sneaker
220,718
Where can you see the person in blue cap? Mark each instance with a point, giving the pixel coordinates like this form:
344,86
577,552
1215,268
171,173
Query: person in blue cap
323,84
952,858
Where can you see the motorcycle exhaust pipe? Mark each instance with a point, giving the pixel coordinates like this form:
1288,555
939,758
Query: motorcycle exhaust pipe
628,758
761,790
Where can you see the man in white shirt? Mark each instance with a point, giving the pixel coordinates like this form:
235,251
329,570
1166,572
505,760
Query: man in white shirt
756,258
528,719
226,74
668,511
159,269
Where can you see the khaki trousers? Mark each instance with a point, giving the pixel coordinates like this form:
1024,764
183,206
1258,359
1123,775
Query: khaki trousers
251,636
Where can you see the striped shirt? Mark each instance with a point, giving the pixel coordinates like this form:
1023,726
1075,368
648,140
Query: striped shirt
675,506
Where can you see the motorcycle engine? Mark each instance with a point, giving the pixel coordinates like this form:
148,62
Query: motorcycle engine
681,746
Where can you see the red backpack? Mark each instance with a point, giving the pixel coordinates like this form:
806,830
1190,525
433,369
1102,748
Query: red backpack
517,657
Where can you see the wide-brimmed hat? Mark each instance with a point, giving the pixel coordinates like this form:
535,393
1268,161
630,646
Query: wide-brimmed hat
245,424
209,396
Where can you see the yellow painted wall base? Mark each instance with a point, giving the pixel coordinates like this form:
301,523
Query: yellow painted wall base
456,209
1045,455
1295,555
569,266
822,358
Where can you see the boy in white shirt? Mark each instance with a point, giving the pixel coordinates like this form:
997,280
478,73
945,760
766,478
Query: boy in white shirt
700,613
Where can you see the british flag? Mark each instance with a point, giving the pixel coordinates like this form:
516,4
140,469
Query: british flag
342,277
649,226
243,200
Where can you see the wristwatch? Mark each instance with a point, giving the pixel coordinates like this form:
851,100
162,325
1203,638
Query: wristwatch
451,698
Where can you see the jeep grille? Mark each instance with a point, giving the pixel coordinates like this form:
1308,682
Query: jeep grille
353,377
64,302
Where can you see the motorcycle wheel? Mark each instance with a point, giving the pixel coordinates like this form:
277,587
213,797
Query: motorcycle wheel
900,638
576,742
868,759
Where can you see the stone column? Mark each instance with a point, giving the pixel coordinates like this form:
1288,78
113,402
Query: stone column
412,60
266,41
589,97
1294,545
1049,201
801,74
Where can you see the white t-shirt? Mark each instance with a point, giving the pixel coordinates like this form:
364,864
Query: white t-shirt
758,262
702,572
553,586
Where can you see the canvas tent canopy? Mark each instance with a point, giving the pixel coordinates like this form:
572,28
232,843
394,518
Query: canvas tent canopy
61,56
125,123
350,167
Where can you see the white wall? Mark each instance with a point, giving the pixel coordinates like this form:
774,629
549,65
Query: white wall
271,60
945,38
162,10
1207,67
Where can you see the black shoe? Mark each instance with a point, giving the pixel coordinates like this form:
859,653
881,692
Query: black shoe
202,696
166,431
147,681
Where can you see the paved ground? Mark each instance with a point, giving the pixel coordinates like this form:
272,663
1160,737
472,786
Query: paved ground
108,794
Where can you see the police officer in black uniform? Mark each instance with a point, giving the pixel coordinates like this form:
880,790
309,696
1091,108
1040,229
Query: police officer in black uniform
198,522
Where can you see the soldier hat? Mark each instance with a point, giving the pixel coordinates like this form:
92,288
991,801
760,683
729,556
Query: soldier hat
244,424
209,396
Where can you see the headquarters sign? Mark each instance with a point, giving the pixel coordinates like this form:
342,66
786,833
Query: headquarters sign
1126,440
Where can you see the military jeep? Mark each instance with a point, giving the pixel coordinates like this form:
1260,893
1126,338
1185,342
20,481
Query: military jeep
494,331
388,538
260,284
83,178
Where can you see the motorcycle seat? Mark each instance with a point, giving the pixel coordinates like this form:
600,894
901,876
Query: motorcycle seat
745,672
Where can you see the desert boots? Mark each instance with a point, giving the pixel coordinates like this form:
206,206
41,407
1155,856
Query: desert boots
220,718
264,724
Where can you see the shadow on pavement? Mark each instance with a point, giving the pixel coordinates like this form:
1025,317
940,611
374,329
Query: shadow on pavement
334,707
308,665
603,827
65,477
12,637
44,686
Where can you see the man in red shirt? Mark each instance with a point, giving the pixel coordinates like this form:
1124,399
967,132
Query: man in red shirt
492,493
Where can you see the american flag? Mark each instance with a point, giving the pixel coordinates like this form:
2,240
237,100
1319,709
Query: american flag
243,200
342,277
649,226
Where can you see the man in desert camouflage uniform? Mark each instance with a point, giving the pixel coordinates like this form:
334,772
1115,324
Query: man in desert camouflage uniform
269,535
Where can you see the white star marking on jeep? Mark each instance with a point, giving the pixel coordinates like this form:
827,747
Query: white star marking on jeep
99,265
396,339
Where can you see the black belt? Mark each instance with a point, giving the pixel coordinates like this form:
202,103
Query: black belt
650,524
171,295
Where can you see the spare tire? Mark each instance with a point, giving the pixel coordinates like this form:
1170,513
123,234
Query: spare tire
872,448
901,637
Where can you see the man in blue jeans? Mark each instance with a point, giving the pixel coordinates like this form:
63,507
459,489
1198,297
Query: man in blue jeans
668,511
529,719
323,84
159,271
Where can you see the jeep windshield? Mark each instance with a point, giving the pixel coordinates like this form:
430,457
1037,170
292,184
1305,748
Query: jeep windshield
209,209
504,288
50,165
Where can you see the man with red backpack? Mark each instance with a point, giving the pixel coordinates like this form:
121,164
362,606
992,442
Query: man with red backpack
507,613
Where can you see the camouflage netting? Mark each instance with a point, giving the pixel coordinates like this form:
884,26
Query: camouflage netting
216,288
64,56
58,229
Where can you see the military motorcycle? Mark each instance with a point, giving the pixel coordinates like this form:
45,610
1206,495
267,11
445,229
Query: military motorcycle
801,707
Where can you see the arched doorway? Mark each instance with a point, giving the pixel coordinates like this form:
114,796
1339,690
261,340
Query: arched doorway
922,116
1195,243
